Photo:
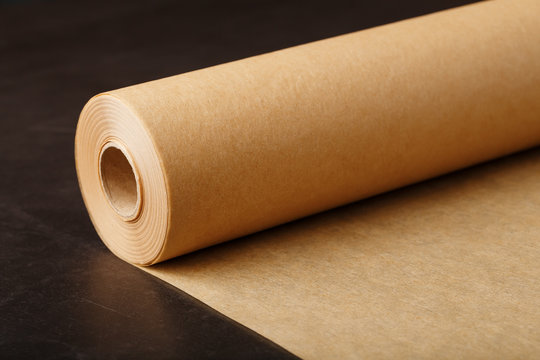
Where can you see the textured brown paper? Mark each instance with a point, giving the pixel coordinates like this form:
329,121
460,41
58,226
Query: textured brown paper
448,269
182,163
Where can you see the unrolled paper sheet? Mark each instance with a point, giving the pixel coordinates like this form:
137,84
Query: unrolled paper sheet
447,268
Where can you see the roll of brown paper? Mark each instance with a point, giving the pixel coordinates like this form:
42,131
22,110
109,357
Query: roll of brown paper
178,164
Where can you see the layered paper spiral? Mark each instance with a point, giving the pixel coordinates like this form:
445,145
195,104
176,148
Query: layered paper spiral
125,189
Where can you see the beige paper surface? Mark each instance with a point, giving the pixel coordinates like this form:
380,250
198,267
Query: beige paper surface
447,269
182,163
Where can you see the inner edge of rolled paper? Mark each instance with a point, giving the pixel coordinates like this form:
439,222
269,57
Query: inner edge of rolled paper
120,181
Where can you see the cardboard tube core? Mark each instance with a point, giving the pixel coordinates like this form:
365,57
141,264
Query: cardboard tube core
120,181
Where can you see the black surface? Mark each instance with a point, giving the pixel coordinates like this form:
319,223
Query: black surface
63,294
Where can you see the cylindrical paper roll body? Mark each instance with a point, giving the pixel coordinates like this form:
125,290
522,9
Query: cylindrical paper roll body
243,146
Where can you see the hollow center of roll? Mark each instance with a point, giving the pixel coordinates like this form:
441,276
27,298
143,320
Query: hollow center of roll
119,182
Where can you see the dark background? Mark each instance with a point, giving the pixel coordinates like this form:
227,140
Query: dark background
63,294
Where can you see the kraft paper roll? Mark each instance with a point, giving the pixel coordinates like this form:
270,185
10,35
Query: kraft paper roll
444,269
178,164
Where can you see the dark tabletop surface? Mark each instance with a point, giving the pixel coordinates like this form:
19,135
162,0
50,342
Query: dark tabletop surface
63,294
